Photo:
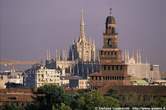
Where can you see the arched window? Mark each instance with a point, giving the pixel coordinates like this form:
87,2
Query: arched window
109,43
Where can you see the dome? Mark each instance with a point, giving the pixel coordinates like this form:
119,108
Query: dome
110,20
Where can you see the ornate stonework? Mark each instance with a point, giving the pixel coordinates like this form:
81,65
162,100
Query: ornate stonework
84,49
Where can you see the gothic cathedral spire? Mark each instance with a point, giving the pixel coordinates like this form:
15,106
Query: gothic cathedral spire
82,25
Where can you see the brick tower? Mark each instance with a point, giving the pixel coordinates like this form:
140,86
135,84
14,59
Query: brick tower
113,70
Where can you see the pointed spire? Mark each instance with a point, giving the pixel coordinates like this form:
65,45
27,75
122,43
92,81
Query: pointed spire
56,54
133,54
64,54
147,75
139,54
48,55
72,55
137,57
82,25
146,60
128,56
125,56
94,50
60,54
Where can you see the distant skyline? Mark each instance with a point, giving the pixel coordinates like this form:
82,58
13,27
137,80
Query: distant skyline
29,27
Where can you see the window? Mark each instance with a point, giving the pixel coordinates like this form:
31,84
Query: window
117,67
120,67
111,53
101,52
96,77
105,67
109,42
112,67
108,67
12,98
113,78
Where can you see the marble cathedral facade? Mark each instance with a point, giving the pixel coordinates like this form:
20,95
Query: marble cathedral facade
81,58
83,50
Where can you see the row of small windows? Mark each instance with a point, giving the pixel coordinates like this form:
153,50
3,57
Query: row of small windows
112,67
107,77
47,80
108,53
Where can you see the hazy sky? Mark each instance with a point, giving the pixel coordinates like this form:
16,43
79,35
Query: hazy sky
29,27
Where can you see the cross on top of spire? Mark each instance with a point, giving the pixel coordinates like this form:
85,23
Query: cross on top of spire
110,11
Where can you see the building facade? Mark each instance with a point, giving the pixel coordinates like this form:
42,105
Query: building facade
11,77
38,76
76,82
137,69
20,97
45,76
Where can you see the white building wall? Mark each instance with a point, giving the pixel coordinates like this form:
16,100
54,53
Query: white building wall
83,84
16,78
139,71
3,80
155,72
47,76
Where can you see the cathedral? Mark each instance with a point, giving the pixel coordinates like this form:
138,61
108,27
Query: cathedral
83,50
112,67
81,59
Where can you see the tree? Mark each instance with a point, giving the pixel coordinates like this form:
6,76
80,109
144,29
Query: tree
160,102
64,107
92,99
53,96
31,107
111,102
11,107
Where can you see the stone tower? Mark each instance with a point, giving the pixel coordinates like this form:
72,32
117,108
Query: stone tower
113,70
